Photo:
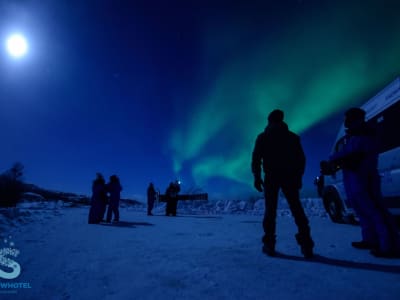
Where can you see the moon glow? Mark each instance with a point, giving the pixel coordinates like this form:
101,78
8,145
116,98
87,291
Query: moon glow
17,45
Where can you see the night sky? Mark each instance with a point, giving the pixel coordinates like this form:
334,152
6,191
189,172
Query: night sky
165,90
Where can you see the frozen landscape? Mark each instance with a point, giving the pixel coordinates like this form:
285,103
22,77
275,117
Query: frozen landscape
209,251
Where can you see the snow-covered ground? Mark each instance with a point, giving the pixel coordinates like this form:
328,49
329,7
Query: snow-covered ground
199,254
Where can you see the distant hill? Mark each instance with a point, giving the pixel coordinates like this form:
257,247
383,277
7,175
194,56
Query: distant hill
32,191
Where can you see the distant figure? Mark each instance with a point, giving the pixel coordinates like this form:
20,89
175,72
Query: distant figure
114,188
359,160
172,198
281,155
98,201
151,197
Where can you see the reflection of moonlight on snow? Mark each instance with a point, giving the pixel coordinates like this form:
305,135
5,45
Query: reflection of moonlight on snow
17,46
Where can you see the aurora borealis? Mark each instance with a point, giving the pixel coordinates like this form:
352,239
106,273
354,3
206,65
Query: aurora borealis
315,63
158,90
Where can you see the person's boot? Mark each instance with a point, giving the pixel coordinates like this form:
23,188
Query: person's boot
269,250
269,245
306,245
307,252
385,254
363,245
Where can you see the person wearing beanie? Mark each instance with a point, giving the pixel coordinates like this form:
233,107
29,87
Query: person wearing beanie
358,158
279,152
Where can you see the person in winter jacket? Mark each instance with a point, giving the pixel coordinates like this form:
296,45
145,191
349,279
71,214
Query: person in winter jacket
172,198
359,160
98,200
114,189
151,197
281,155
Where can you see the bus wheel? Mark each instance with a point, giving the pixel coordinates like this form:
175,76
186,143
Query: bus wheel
333,207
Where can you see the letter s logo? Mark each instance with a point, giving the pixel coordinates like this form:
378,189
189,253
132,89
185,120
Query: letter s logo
4,261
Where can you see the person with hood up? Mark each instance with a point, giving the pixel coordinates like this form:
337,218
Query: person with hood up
114,188
281,155
98,200
151,198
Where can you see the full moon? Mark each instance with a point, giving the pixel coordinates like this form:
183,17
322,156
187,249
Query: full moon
17,46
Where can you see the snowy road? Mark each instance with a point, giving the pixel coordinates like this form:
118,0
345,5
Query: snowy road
192,257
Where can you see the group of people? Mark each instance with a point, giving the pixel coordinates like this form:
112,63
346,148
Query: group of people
171,195
104,194
279,153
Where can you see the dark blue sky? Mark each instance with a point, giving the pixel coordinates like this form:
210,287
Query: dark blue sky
159,90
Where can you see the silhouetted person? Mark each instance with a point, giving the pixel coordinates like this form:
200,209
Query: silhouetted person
281,155
359,160
172,198
114,188
151,197
98,201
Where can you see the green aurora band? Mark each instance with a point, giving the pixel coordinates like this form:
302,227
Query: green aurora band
316,66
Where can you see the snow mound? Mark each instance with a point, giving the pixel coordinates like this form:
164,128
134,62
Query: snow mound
27,212
312,207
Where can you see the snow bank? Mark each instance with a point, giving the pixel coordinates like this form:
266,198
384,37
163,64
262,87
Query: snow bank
312,207
29,211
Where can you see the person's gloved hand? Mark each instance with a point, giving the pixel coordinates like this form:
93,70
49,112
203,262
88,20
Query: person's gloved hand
258,184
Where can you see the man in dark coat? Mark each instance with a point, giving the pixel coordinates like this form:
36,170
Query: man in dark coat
98,201
281,155
114,188
151,197
359,160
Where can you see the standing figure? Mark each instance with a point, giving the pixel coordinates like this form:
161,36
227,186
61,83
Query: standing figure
281,155
114,188
98,201
359,160
172,198
151,197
